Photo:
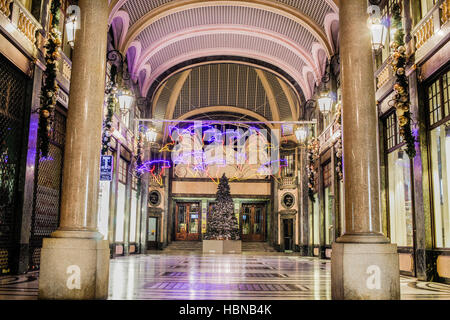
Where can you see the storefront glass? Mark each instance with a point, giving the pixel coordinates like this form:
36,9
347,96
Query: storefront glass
103,212
329,228
133,216
120,214
400,198
316,221
440,170
439,120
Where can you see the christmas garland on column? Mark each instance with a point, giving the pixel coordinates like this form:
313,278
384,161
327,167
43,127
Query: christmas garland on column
312,156
401,86
139,161
49,92
338,145
111,101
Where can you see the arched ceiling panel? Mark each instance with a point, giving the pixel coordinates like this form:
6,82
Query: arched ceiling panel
231,85
291,35
236,44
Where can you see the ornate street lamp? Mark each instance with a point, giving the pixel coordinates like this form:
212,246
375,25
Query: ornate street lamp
379,34
325,102
72,24
377,27
151,134
126,99
301,133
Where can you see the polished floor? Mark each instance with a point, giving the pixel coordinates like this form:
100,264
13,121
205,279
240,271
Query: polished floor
161,276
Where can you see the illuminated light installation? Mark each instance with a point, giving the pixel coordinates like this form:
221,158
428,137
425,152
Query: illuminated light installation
202,150
156,168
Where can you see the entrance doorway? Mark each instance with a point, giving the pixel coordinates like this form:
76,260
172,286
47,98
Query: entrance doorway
152,233
288,234
188,221
253,222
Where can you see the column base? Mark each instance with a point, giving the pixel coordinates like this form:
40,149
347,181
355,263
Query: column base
74,269
365,271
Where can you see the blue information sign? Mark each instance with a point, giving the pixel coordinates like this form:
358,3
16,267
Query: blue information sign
106,168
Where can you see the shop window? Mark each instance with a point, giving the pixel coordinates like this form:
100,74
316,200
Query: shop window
341,207
133,216
327,181
120,214
399,185
421,8
393,138
440,165
400,198
134,182
439,123
289,169
316,220
103,215
123,171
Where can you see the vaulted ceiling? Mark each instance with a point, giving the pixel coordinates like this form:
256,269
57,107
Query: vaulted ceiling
295,36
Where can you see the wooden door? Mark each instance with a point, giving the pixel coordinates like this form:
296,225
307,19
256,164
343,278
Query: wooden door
253,222
187,221
288,234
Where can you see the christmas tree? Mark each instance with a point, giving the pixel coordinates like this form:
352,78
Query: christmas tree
222,224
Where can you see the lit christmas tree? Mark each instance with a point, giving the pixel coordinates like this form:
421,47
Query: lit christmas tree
222,224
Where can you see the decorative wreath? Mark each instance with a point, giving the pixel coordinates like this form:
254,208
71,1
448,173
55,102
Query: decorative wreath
49,92
401,99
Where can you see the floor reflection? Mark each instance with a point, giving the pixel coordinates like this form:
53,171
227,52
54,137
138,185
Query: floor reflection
266,276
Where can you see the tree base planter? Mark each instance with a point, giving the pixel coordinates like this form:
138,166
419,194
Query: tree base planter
222,246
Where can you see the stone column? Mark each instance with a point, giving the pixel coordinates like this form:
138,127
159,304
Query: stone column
74,261
364,264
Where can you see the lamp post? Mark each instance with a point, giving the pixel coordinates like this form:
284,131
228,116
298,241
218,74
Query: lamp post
126,99
325,102
377,27
72,24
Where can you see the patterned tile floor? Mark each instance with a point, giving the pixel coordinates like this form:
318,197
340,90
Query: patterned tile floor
227,277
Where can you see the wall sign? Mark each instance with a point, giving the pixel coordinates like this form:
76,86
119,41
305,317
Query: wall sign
154,198
288,200
106,168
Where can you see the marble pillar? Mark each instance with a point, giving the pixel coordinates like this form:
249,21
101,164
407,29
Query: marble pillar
75,261
364,263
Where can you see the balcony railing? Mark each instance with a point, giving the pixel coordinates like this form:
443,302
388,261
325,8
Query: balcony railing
384,75
430,25
288,183
329,136
21,19
64,71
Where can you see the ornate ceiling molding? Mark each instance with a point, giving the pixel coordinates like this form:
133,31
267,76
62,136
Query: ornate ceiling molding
295,36
271,6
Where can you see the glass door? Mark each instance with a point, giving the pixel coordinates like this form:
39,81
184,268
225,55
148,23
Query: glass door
152,233
194,222
253,222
